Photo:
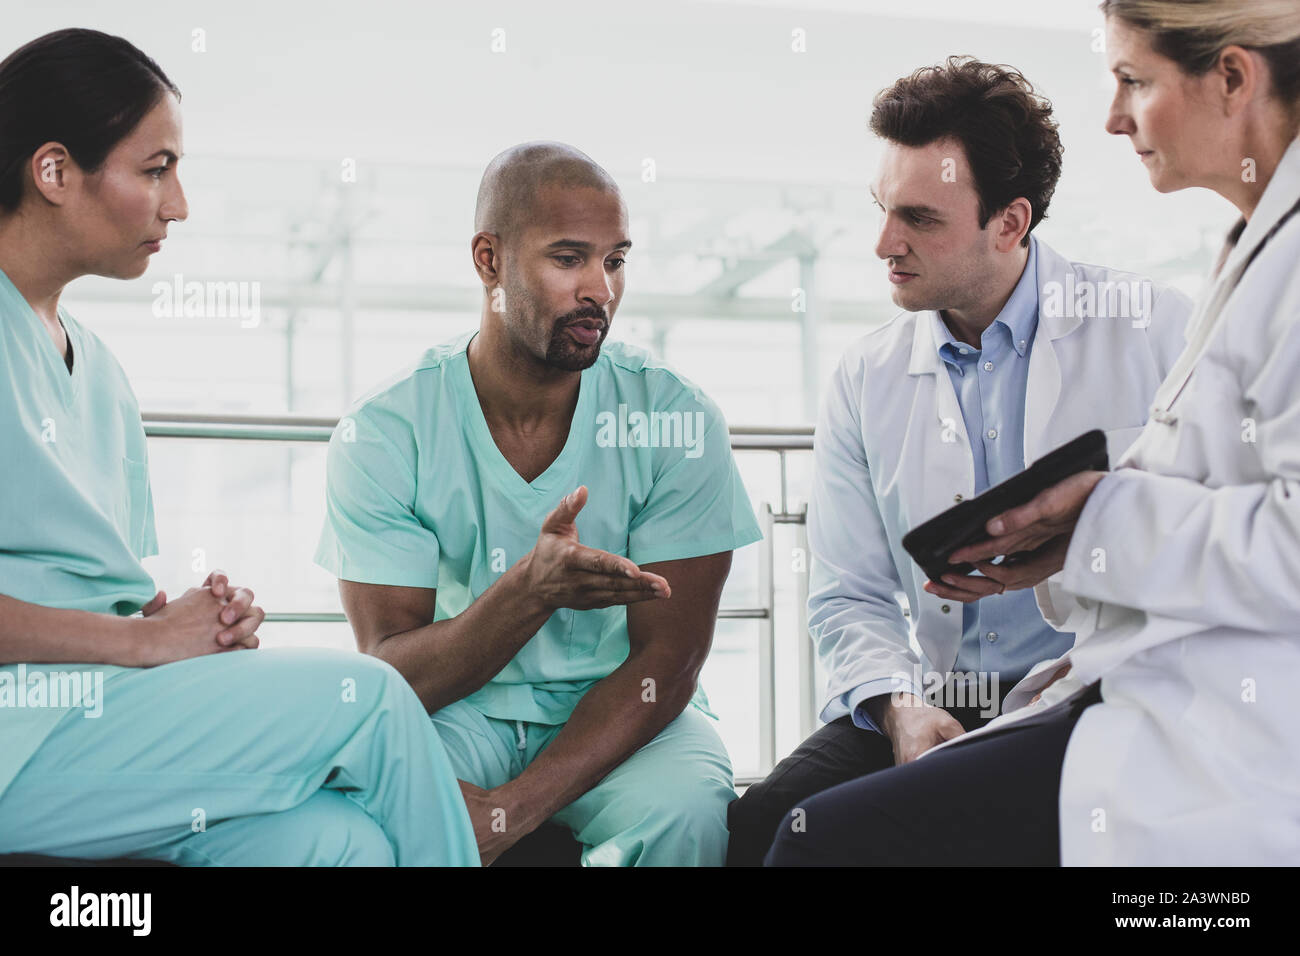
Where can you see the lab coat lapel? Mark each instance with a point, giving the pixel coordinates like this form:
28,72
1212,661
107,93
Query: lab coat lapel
948,466
1043,387
1281,195
1279,198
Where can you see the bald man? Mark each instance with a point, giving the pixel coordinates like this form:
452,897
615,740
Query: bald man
534,525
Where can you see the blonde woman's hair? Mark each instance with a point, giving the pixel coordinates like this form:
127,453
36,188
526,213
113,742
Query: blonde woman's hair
1193,33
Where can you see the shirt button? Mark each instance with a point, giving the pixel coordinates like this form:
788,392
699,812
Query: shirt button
993,636
945,609
988,366
992,433
1022,343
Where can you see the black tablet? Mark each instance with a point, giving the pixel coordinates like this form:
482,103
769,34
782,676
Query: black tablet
930,543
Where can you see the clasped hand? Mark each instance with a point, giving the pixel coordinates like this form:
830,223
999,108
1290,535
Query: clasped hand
210,619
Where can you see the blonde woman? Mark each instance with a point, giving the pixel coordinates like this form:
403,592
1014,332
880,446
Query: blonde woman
1168,735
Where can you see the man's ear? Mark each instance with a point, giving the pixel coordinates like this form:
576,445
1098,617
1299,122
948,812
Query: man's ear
1013,224
485,249
52,169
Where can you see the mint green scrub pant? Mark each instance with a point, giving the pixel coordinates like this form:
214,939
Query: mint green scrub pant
270,757
666,805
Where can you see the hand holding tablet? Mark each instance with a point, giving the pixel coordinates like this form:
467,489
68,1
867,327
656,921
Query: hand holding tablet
957,542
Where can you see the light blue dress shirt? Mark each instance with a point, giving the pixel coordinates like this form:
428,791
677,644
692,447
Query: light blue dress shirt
1002,633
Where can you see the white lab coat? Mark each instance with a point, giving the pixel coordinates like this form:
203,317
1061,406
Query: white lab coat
891,450
1192,623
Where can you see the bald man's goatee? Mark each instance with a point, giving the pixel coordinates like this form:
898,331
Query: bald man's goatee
564,353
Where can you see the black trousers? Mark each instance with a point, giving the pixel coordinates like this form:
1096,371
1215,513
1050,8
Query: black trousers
837,753
992,801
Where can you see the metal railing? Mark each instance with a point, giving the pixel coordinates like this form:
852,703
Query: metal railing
778,441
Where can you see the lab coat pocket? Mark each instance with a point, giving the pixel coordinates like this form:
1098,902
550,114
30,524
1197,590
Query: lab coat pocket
133,511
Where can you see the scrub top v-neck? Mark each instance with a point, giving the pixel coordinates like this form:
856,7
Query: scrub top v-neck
76,516
419,495
558,478
70,358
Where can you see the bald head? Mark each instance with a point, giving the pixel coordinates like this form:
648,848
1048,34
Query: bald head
550,241
513,181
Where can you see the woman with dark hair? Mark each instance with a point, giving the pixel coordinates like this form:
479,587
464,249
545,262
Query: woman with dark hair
157,736
1169,736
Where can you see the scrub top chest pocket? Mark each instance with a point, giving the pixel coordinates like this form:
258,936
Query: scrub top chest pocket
131,504
586,631
603,527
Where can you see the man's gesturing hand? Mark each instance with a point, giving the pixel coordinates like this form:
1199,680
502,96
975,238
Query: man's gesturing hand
565,573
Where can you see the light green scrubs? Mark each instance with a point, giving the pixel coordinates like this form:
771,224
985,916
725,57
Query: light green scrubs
242,757
419,495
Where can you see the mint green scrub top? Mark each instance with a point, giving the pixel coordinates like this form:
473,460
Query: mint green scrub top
76,510
419,495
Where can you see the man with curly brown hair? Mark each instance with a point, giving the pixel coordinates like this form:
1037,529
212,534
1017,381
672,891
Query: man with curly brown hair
1003,350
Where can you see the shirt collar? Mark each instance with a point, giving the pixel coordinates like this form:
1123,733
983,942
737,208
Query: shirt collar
1019,315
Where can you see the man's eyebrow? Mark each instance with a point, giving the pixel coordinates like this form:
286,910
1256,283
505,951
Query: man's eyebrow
584,245
163,152
915,209
922,211
1123,65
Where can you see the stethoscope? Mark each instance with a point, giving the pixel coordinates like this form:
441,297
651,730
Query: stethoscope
1164,415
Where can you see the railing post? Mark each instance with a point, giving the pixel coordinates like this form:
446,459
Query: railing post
767,646
806,660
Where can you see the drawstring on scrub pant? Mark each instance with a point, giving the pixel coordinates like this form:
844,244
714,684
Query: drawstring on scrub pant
522,743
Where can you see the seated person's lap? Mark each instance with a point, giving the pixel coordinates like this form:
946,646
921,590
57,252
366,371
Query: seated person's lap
991,801
680,781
